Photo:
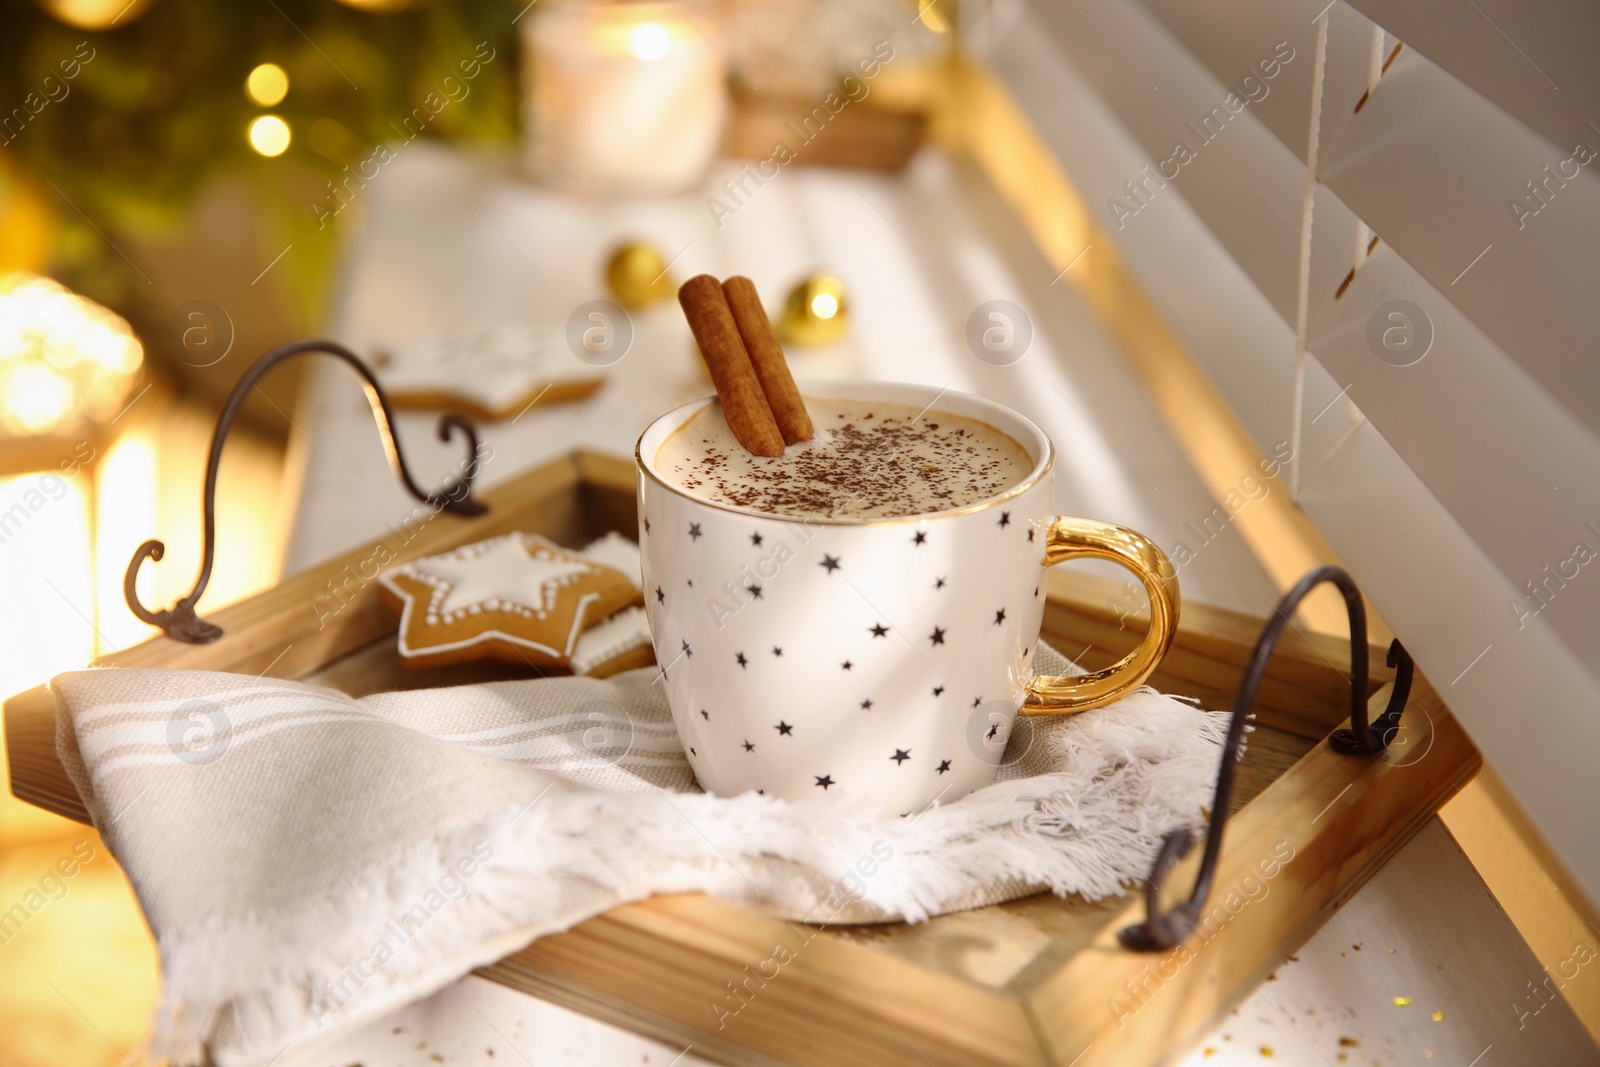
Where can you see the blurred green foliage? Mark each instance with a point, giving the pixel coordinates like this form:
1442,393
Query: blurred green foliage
161,109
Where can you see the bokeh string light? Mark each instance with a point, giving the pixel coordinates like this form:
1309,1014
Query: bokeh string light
270,135
267,84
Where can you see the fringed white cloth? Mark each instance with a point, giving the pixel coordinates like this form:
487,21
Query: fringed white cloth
308,861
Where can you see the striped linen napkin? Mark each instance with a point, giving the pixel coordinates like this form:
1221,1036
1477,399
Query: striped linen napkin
308,861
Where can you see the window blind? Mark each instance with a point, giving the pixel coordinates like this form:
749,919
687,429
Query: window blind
1377,226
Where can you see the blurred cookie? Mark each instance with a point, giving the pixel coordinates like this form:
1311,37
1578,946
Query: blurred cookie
485,374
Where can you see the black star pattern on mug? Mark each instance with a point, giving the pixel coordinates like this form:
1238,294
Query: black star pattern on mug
938,689
919,538
687,651
742,661
1035,590
692,752
661,598
749,746
691,583
866,705
1030,533
846,665
830,562
704,714
1005,519
755,539
784,728
878,629
824,780
754,589
1000,616
943,766
776,651
976,701
694,531
1025,652
994,728
938,583
900,756
937,637
646,525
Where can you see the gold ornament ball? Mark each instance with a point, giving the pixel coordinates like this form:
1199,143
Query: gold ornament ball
636,275
815,312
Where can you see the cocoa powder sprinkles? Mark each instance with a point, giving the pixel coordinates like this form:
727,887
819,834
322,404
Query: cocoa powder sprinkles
867,460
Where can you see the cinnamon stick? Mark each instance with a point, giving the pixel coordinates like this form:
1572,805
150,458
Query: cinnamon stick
766,355
744,403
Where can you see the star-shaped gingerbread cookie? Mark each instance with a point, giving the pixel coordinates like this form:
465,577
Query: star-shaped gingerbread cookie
516,597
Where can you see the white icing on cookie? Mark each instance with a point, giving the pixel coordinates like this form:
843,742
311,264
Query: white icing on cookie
496,575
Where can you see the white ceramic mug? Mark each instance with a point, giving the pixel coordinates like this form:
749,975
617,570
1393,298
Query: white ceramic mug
879,660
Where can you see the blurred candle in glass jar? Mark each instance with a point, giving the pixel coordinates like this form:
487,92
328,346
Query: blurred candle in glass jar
623,97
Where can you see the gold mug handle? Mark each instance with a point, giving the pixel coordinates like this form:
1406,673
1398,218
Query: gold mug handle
1087,539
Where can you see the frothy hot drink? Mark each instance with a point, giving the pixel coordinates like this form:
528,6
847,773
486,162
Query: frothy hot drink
869,459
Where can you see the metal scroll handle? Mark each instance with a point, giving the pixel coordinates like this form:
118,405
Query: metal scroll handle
1164,930
180,621
1087,539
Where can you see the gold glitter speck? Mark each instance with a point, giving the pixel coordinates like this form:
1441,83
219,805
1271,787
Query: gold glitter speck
1349,1042
1266,1050
1438,1016
1402,1002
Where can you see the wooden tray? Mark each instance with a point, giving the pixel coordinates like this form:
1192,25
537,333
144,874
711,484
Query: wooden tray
1040,981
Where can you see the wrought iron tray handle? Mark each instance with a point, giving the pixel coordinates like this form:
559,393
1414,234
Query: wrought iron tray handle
180,621
1164,930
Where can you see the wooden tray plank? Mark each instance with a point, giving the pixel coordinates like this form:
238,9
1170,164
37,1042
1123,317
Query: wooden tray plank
1340,817
673,959
37,775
